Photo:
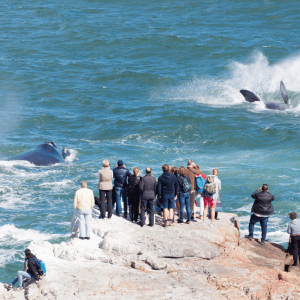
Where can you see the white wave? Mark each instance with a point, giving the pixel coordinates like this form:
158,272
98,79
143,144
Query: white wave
256,75
16,163
72,156
11,231
7,255
57,183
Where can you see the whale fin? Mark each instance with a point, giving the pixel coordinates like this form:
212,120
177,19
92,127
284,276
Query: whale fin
249,96
284,93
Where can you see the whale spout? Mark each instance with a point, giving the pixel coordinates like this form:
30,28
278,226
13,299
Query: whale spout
249,96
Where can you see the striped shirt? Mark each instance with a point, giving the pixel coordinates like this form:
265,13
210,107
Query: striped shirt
294,227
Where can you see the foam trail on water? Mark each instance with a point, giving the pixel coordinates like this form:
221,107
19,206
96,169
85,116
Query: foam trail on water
257,75
9,231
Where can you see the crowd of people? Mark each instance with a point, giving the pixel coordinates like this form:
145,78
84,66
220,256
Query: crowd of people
175,190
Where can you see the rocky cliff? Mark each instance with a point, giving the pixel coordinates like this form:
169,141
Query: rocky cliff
125,261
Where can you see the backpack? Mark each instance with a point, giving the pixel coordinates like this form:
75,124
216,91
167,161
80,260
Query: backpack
186,186
41,267
200,182
210,186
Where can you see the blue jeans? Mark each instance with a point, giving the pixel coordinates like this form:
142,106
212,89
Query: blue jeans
85,218
20,276
263,224
118,192
184,200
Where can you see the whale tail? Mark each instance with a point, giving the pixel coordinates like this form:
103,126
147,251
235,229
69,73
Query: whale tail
249,96
284,93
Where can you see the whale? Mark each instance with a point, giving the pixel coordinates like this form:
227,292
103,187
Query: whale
251,97
45,154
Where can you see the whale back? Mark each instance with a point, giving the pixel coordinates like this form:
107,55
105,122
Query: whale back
42,155
249,96
284,93
276,105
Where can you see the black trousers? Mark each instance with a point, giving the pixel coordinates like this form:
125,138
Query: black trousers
149,205
134,201
295,247
108,194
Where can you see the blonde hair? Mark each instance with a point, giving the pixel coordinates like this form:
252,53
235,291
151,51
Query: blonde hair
215,169
83,184
105,163
135,170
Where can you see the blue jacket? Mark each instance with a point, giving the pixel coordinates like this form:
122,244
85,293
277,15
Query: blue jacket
167,184
120,176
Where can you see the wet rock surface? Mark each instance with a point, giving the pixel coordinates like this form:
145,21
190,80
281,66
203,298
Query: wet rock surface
187,261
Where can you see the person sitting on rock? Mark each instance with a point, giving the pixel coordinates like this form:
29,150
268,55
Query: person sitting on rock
84,202
30,272
294,230
261,209
167,192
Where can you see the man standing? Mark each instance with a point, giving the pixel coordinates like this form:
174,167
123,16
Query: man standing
261,209
294,231
167,192
84,202
190,171
148,192
120,175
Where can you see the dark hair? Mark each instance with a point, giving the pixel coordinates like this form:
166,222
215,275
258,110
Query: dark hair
165,168
293,215
174,171
265,187
27,252
181,171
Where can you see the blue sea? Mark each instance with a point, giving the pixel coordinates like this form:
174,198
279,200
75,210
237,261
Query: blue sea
149,83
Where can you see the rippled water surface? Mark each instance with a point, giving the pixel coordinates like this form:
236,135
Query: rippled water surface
149,83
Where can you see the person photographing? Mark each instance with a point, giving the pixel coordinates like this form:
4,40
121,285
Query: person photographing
261,210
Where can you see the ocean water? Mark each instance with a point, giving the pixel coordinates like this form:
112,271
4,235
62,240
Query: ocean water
149,83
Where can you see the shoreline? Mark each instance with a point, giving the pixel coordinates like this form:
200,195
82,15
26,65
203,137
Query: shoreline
125,261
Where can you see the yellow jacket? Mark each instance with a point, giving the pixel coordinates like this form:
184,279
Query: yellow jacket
84,199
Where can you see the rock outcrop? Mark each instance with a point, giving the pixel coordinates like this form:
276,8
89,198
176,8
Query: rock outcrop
187,261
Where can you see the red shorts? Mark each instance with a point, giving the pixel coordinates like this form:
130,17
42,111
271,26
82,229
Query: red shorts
209,201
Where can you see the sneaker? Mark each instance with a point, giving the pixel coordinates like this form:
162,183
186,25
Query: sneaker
179,221
192,217
171,223
125,216
18,289
82,238
141,224
8,286
87,238
212,225
249,237
262,242
188,222
165,224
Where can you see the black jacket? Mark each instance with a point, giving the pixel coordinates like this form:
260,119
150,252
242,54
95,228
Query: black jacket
32,267
167,184
180,183
263,203
120,176
133,184
148,187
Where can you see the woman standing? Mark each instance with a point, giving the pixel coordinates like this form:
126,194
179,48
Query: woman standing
217,195
184,183
175,172
211,200
134,194
105,189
